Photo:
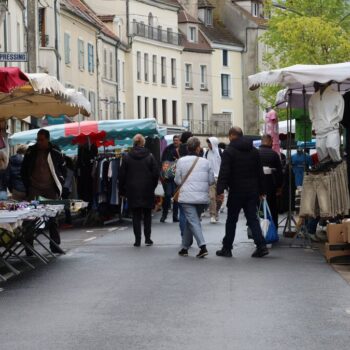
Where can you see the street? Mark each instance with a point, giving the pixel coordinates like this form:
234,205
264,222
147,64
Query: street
106,294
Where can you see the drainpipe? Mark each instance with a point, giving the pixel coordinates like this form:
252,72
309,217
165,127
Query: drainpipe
5,34
128,21
98,75
117,73
56,41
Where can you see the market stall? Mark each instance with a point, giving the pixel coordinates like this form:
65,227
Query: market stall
318,89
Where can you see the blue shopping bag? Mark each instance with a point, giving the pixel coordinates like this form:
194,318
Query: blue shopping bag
269,231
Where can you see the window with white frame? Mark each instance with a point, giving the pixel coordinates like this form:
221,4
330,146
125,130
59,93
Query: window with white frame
146,66
164,111
105,63
225,58
67,49
155,108
163,69
154,69
192,37
189,111
188,76
225,85
255,9
92,99
204,84
83,91
91,58
146,107
111,65
173,72
209,17
138,64
204,112
81,54
139,107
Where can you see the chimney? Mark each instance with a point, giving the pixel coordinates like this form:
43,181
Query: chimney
191,6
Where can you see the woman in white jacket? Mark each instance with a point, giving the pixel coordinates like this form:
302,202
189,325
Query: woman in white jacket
194,194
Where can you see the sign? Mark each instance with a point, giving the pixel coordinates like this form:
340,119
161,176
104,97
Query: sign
13,56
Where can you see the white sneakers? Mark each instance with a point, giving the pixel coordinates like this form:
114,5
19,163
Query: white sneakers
213,220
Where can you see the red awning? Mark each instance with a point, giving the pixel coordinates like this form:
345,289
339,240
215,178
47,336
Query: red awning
11,78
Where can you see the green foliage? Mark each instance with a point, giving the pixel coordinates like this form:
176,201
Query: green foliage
306,32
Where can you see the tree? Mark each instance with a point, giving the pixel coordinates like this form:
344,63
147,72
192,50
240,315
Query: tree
306,32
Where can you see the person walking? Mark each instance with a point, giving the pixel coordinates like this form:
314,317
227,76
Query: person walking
170,155
273,175
4,178
194,176
43,173
242,174
67,190
138,179
214,155
16,185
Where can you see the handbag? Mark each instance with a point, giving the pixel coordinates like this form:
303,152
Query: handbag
267,225
177,193
159,191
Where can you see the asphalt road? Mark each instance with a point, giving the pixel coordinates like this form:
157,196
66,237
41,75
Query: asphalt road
106,294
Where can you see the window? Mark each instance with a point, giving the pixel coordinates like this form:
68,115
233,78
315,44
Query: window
91,58
169,35
138,63
225,58
154,69
124,110
160,33
255,9
118,74
188,76
111,65
173,71
83,91
92,99
105,63
139,107
189,111
43,38
208,17
203,77
164,111
163,63
67,49
150,19
112,106
192,34
81,54
155,109
146,68
123,75
225,85
174,112
18,37
204,117
146,107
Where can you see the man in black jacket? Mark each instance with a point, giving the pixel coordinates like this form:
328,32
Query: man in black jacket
242,174
273,175
43,173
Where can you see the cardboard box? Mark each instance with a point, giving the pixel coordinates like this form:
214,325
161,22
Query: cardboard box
338,233
341,251
347,224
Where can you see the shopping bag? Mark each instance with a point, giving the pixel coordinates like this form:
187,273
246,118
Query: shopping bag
268,227
159,191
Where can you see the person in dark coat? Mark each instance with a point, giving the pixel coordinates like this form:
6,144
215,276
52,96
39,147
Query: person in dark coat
16,185
273,175
43,172
138,179
185,136
241,173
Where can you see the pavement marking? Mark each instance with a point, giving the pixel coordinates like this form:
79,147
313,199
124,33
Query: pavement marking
89,231
90,239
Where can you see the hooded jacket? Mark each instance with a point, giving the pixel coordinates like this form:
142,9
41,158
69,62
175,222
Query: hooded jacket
138,178
241,170
214,156
14,170
56,164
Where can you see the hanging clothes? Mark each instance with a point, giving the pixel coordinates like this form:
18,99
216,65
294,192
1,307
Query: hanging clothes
272,129
300,160
303,125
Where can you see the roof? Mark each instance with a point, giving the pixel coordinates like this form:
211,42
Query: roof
185,17
81,9
202,45
219,34
260,21
204,4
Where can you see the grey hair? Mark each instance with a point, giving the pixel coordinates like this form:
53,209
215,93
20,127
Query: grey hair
192,144
139,140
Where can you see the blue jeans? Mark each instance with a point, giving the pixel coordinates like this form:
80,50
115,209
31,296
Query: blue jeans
311,225
182,219
193,227
169,190
236,203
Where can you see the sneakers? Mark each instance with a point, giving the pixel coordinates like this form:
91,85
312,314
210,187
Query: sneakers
148,242
163,218
260,252
213,220
225,253
203,252
183,252
137,244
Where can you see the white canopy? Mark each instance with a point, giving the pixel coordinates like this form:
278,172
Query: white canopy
298,76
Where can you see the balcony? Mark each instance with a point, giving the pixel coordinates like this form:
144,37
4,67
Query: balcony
156,33
218,125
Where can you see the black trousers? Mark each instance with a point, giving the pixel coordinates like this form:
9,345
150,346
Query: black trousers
247,202
137,215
